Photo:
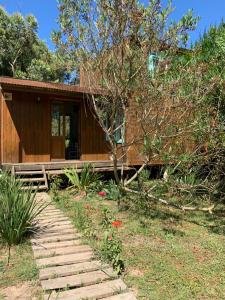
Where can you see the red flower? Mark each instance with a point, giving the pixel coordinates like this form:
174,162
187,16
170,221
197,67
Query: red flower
116,223
102,194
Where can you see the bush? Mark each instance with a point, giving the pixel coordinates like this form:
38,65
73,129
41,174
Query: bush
18,210
85,180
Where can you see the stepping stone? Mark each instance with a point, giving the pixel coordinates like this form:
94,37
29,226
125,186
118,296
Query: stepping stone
57,229
124,296
62,271
37,246
46,233
98,291
65,259
61,251
52,220
56,238
54,224
78,280
50,216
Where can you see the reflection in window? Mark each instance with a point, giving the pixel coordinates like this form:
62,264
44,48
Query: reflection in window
57,120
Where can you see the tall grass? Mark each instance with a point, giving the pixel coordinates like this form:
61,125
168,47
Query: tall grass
18,210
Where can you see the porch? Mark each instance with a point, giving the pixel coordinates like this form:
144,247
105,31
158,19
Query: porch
37,174
58,167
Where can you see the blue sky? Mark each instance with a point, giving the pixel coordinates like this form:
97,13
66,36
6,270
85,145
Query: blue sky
210,11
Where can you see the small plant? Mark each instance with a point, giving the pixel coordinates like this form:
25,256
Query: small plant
18,210
107,217
113,192
111,250
84,181
55,184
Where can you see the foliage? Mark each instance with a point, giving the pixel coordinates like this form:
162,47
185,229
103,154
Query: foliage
113,191
55,185
18,210
23,54
111,250
85,180
111,41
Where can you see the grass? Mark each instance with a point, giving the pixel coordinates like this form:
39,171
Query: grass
168,254
22,268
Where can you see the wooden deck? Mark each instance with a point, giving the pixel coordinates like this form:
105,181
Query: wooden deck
58,167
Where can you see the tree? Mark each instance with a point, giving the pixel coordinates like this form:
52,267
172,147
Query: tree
137,56
23,54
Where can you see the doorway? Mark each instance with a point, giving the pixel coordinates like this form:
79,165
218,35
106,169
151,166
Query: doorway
65,131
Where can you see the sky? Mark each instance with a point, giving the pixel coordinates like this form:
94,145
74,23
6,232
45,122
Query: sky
45,11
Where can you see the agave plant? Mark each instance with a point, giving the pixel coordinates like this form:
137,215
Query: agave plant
83,181
18,210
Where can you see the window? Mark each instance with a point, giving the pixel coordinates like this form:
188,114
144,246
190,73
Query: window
57,120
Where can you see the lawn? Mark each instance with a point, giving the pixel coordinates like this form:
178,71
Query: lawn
168,254
20,277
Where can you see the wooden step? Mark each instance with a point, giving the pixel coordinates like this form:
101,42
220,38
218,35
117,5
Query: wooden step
79,280
73,269
30,180
61,251
65,259
96,291
36,246
18,173
32,187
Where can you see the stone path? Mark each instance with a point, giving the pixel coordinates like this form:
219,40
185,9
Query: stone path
68,269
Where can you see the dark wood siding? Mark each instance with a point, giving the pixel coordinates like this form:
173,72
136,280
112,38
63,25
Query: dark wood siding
27,128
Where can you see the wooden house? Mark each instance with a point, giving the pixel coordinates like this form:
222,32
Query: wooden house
48,126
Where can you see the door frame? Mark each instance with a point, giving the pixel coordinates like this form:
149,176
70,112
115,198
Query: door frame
63,103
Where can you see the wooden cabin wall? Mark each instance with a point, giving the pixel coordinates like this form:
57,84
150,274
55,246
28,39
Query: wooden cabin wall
27,129
93,139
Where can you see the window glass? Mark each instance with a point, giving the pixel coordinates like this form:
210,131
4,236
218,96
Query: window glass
57,120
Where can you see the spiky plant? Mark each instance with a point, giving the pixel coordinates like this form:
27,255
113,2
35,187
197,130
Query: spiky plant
81,182
18,210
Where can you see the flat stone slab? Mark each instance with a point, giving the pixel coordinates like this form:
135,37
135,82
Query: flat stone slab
54,224
62,251
56,238
73,269
45,246
79,280
65,259
101,290
47,233
56,229
52,220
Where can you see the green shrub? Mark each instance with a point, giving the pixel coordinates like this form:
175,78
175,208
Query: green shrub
111,250
85,180
18,210
113,191
55,185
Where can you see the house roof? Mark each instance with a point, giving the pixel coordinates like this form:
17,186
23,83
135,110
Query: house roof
24,84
